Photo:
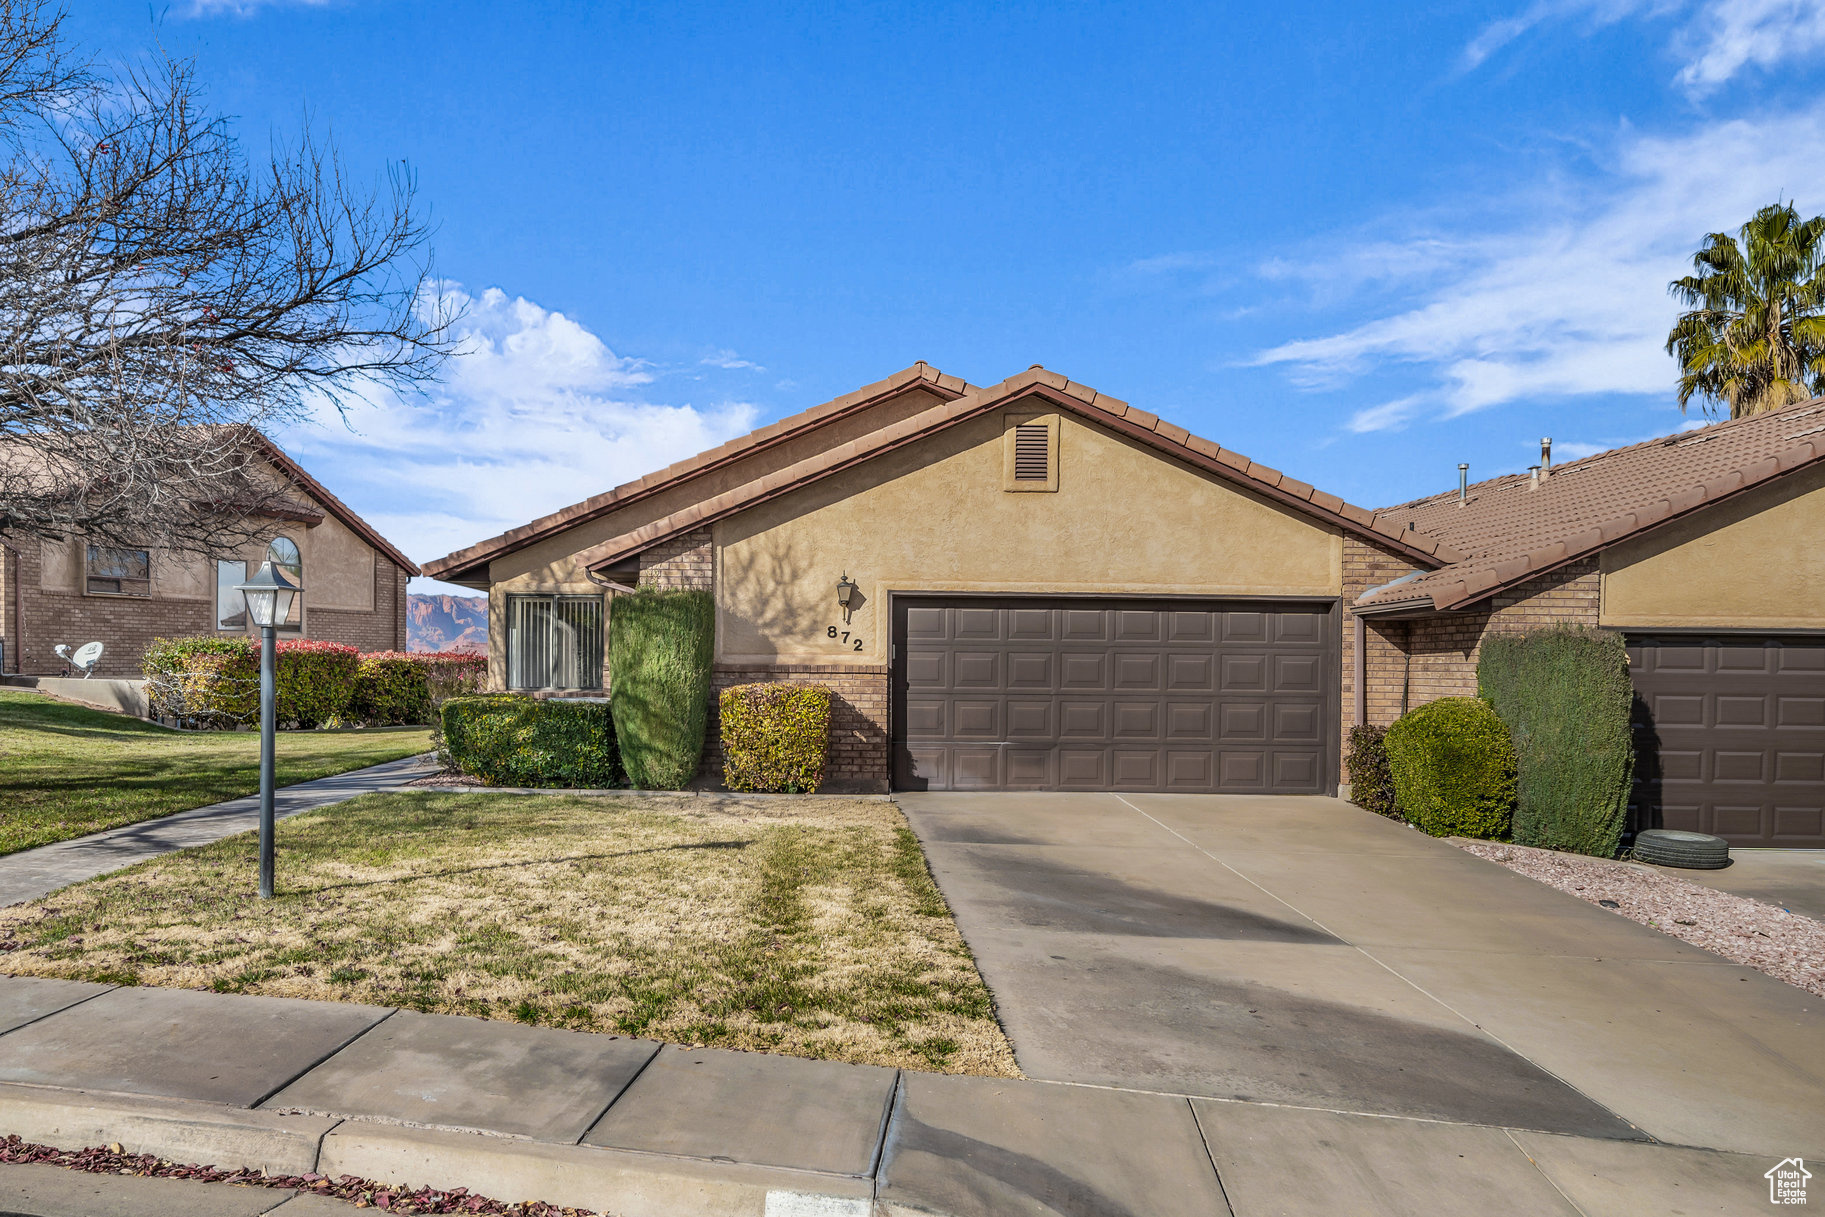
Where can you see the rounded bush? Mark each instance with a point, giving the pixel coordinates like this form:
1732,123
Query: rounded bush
1454,768
509,740
774,736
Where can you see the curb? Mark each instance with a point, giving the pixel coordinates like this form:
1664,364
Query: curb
626,1183
176,1131
623,1182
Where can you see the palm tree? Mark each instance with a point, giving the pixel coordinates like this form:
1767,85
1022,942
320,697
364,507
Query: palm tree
1754,338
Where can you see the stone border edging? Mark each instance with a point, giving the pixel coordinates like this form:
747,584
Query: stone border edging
604,792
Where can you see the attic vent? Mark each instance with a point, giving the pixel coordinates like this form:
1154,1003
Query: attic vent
1032,452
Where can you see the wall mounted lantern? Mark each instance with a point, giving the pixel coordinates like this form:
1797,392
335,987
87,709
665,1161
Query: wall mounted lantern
845,594
268,595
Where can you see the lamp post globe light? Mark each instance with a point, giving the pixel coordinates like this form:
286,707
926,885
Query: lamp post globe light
268,595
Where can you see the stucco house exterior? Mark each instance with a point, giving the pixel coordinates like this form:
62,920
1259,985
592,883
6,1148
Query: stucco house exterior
72,592
1057,590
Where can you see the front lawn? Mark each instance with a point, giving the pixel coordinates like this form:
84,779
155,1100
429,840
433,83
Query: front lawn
66,771
806,926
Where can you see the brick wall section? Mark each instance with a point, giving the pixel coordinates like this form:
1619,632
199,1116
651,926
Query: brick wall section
858,717
1444,649
683,562
126,625
1367,565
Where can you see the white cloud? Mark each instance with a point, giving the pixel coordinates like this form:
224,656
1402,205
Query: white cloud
534,413
1716,39
1389,416
246,8
1570,301
729,361
1730,35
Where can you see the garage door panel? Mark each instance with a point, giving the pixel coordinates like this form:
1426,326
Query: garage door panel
1080,671
1035,693
976,669
1243,673
1030,670
1730,737
1800,711
1297,673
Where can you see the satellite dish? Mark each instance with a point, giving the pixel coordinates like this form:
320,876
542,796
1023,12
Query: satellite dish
84,660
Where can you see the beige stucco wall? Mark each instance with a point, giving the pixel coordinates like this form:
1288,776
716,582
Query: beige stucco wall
1756,561
338,566
933,517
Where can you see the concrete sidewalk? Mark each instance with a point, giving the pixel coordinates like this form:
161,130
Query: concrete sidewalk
638,1129
32,873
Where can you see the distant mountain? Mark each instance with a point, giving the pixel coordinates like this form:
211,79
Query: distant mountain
447,623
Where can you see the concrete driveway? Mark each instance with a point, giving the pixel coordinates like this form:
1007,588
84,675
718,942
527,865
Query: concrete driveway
1301,951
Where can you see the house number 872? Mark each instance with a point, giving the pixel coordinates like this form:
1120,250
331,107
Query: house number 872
852,641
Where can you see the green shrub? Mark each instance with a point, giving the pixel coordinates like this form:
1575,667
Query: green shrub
660,647
314,682
399,687
1454,768
775,736
509,740
1565,694
1371,781
209,681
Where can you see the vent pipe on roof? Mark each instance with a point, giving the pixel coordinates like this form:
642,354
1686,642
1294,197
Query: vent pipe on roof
1463,483
1546,456
1533,472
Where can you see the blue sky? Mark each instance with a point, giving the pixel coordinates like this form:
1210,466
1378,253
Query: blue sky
1360,242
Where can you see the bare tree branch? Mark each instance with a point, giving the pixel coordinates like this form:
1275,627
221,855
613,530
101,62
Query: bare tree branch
162,296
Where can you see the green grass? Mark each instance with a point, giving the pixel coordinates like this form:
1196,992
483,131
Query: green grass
810,927
66,771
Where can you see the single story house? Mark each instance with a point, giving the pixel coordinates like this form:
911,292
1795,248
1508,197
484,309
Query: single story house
1047,588
72,592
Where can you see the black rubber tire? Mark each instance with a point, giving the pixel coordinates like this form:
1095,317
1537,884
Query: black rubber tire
1676,847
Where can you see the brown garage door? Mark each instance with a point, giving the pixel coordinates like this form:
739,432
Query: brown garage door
1730,737
1031,694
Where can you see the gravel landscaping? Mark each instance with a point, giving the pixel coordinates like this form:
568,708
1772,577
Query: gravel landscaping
1786,946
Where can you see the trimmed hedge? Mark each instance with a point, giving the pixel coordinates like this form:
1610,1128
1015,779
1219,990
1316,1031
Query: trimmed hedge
1371,780
314,681
509,740
210,681
393,688
1566,695
1454,768
775,736
660,647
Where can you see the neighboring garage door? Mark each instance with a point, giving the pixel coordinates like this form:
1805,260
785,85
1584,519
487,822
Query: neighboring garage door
1730,737
1043,694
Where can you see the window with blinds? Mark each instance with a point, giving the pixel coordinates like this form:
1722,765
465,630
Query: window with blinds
554,642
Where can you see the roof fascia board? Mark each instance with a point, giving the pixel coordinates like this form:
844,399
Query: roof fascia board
1053,388
482,553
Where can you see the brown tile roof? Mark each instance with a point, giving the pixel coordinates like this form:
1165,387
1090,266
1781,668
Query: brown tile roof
1510,532
1110,412
473,560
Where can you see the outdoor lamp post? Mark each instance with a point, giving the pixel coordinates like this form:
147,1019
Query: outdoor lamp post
269,597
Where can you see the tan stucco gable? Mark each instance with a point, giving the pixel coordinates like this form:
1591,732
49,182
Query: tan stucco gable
934,516
1756,561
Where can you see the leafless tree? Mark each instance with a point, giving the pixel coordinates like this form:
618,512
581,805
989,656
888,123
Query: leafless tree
164,295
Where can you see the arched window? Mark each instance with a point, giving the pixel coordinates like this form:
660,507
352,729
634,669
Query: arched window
283,554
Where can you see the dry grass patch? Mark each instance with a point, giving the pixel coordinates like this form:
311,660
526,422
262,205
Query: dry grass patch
804,926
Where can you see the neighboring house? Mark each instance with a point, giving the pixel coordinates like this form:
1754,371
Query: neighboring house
74,592
1054,590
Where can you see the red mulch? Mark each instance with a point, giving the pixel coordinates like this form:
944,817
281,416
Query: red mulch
362,1193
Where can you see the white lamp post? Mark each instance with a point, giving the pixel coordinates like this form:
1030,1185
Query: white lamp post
269,598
